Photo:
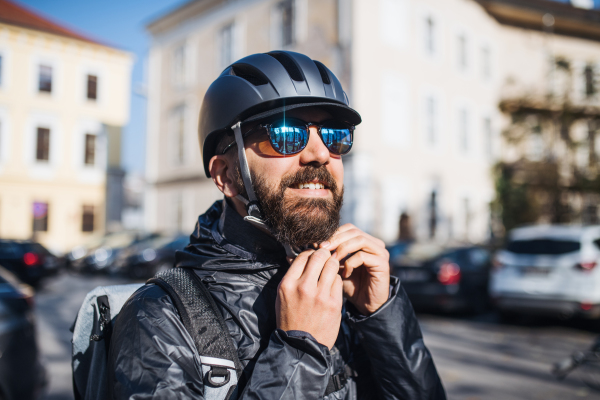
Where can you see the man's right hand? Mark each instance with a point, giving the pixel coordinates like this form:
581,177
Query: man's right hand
309,297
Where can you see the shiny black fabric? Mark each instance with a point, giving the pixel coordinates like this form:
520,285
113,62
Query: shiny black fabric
153,357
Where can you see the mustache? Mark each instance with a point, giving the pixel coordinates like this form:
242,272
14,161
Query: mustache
308,174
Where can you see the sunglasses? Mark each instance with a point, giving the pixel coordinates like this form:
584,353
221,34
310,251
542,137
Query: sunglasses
290,135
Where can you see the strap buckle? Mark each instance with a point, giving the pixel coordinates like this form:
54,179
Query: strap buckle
218,372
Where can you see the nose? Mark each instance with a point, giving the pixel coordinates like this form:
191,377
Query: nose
315,152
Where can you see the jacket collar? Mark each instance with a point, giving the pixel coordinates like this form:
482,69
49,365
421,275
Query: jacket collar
236,231
222,240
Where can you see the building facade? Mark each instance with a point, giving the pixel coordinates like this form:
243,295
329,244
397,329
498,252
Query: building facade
427,76
63,101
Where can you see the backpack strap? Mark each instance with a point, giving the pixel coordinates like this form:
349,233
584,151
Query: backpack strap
205,324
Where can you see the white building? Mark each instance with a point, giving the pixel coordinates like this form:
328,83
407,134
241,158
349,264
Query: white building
427,77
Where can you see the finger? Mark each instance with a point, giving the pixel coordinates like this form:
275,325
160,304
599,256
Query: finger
297,268
337,288
330,271
348,234
341,229
314,266
361,259
358,243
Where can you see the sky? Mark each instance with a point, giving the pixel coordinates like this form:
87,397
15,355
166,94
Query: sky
120,23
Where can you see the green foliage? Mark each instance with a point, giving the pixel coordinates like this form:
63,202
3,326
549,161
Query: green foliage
514,203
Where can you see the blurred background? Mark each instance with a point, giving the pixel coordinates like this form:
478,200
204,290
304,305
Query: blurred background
478,162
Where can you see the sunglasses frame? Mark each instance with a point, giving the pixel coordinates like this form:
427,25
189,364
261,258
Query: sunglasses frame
269,126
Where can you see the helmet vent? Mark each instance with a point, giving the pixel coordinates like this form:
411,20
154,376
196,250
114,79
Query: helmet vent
250,73
323,72
289,65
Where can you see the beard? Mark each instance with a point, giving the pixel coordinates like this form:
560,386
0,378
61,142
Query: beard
300,222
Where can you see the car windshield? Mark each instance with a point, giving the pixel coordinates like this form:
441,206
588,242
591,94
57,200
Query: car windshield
35,248
543,246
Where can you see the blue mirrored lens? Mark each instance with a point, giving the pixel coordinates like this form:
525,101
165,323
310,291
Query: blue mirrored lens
289,139
337,140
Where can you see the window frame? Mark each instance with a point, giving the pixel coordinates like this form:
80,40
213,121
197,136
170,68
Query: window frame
88,218
40,67
90,152
40,153
40,224
95,90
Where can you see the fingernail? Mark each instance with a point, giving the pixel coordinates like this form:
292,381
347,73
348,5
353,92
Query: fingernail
325,244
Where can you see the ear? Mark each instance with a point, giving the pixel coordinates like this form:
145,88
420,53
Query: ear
221,172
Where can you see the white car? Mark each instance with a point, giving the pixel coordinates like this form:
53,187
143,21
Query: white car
549,269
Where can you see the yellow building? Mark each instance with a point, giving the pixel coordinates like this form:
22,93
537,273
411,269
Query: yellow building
63,101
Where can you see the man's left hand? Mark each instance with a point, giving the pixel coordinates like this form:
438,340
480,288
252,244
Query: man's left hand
365,268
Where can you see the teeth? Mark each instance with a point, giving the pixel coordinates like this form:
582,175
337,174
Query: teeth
311,185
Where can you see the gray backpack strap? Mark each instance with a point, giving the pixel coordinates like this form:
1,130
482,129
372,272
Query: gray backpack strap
91,339
205,324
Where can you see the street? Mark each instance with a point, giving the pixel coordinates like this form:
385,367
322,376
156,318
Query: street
477,357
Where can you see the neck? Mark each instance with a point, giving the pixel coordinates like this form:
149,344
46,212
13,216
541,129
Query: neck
238,206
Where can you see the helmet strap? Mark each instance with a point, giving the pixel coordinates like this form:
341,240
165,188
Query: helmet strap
252,202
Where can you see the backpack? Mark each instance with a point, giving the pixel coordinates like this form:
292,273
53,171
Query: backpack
202,319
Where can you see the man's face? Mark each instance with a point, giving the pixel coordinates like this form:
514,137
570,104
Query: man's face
297,213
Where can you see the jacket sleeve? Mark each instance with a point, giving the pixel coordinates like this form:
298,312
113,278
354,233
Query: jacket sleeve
152,356
400,363
290,367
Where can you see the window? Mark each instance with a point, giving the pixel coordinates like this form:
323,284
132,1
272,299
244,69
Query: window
430,35
287,22
178,126
92,87
536,142
486,63
590,81
462,53
179,70
45,79
43,144
467,216
463,129
40,217
87,219
543,246
226,42
432,214
90,149
487,130
430,112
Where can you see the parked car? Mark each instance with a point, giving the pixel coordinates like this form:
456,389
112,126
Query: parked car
100,259
144,259
29,261
22,376
445,279
74,257
549,270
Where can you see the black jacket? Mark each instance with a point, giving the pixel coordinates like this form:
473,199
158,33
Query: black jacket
153,357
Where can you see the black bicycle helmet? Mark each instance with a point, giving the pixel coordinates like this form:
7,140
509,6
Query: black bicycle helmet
265,84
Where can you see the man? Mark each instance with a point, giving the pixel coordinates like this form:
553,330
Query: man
273,130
